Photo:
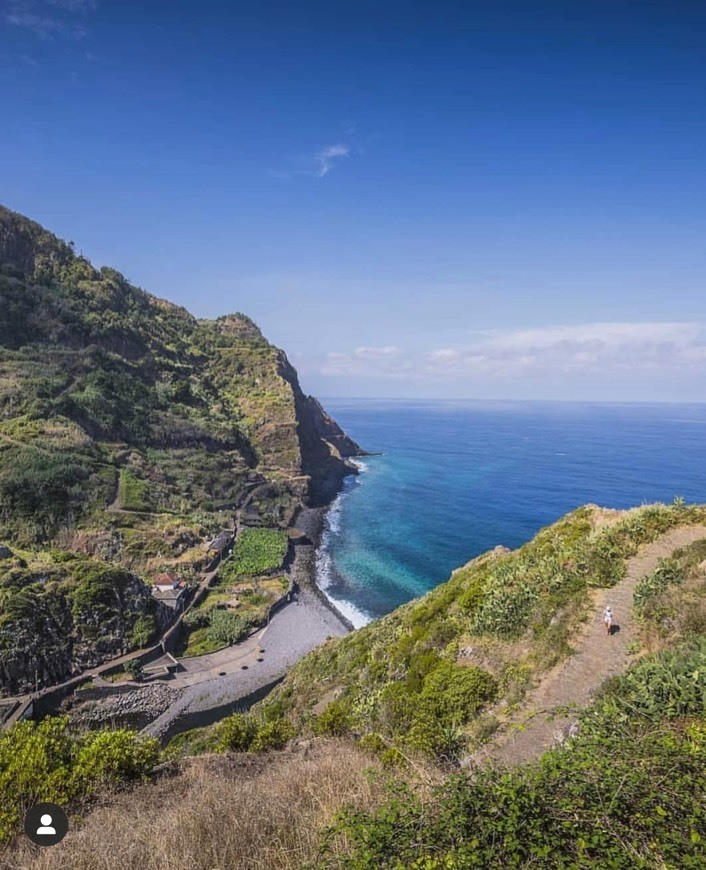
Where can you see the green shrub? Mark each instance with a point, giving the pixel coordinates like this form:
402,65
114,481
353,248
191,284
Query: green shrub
114,757
421,664
236,733
272,735
472,597
668,684
198,617
668,573
143,630
46,762
397,706
242,732
454,693
43,488
133,492
228,628
335,720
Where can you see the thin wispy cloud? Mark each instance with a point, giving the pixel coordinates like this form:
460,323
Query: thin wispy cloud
49,19
327,157
74,5
319,164
603,350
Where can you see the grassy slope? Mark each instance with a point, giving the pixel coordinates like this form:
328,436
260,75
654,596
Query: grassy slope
473,643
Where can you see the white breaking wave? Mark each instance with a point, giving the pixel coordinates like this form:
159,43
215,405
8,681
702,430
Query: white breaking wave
356,617
324,578
324,563
324,575
332,520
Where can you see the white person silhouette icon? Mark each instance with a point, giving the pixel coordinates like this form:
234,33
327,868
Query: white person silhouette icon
46,828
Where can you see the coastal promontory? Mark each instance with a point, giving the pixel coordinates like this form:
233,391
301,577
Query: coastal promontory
131,434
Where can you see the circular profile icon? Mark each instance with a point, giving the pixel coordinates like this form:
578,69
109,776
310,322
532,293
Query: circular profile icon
46,824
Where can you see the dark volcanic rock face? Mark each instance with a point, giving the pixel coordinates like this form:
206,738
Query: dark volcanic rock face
324,446
53,628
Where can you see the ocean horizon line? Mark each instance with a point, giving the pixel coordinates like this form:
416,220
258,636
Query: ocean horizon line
496,401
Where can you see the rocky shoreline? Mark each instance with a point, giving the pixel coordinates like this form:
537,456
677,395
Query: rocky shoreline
310,521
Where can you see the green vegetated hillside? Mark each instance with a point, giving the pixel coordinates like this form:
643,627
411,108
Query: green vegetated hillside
129,432
438,674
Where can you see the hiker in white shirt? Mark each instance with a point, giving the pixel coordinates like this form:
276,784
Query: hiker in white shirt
608,620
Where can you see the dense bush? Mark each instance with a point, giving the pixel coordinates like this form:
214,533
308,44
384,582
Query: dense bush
455,694
627,793
334,721
198,617
244,733
43,488
143,630
272,735
113,401
670,683
236,733
47,762
668,573
227,628
671,602
133,492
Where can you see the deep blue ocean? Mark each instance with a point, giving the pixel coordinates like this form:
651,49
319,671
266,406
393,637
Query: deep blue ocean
457,478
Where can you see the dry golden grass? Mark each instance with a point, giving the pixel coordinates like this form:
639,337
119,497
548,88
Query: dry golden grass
217,813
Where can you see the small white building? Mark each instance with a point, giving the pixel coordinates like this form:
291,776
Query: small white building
170,590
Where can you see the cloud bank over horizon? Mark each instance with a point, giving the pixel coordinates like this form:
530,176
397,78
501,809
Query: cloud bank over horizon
601,354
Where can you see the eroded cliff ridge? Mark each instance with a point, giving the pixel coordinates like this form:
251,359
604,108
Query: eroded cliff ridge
130,431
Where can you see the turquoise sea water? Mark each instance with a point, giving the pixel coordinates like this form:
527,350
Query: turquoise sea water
458,478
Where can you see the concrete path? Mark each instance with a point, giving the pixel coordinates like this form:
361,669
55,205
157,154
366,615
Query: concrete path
226,676
597,657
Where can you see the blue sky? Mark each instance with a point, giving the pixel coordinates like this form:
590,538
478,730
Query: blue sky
453,199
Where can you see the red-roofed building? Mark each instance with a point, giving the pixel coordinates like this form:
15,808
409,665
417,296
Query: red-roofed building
170,590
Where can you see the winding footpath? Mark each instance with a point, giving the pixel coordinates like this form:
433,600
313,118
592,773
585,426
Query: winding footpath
597,657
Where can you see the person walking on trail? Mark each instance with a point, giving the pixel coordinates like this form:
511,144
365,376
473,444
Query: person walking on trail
608,620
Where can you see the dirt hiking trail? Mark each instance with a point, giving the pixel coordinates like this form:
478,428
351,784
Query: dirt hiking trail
597,657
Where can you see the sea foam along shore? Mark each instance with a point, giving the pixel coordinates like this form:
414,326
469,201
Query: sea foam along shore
324,568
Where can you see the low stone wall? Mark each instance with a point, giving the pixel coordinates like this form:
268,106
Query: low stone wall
48,702
149,655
